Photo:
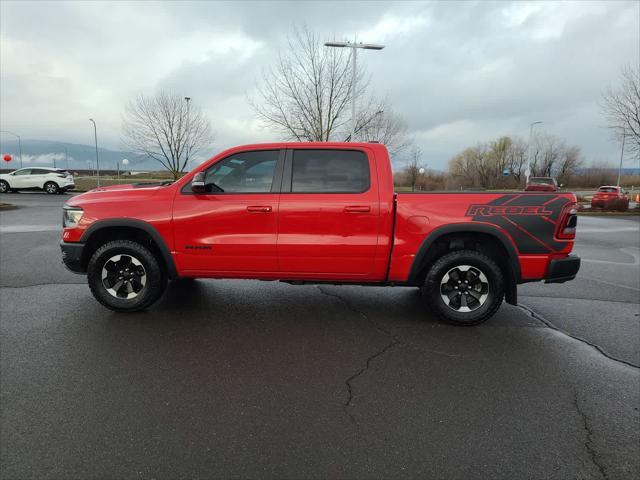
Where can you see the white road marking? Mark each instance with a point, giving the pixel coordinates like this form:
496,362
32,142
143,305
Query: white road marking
30,228
628,251
609,283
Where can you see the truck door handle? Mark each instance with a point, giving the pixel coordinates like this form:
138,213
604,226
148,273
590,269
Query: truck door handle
357,209
259,208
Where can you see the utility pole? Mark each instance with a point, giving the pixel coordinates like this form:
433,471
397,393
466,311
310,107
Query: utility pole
354,46
188,99
95,135
19,143
624,135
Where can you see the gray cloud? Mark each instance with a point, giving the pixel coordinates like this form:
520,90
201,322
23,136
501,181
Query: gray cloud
459,72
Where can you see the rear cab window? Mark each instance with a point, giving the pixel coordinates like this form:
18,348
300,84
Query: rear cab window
329,171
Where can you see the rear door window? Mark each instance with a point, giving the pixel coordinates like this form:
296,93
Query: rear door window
329,171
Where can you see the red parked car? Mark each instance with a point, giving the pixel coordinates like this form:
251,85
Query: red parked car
611,198
313,213
541,184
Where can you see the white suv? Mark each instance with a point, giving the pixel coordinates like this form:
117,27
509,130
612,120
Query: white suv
51,180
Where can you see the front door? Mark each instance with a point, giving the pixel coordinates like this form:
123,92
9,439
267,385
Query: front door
21,179
329,215
231,230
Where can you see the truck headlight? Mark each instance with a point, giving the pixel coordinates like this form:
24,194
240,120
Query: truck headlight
71,216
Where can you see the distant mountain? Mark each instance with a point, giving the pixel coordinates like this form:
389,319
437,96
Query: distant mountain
45,153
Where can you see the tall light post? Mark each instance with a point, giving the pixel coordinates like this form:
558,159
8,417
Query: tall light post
528,172
95,136
624,135
188,99
19,143
354,46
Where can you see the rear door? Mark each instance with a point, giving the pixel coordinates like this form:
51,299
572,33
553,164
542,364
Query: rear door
329,214
38,177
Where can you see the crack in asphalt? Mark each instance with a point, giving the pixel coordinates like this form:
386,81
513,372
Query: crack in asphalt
577,298
42,284
394,342
595,346
588,444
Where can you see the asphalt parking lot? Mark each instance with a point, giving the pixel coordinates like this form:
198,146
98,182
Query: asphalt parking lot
262,379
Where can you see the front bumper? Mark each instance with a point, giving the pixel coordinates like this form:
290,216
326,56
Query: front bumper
562,270
72,256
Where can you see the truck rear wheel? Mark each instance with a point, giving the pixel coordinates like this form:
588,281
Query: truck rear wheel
464,287
125,276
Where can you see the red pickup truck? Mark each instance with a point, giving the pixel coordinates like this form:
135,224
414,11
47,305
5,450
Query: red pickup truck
317,213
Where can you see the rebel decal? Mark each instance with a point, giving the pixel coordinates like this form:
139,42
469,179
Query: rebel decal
529,219
492,210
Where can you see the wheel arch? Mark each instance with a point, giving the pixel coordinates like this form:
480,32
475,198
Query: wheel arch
427,254
127,228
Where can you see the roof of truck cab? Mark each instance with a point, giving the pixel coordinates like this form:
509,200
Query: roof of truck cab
310,144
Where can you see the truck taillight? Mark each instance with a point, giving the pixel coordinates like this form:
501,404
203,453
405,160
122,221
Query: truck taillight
569,223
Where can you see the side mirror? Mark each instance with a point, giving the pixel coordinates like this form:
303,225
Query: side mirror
197,183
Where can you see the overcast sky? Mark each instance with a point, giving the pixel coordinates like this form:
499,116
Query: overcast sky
459,73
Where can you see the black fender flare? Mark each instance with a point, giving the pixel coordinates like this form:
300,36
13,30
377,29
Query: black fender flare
141,225
435,234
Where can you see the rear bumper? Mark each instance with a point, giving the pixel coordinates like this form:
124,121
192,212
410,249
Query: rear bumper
562,269
72,256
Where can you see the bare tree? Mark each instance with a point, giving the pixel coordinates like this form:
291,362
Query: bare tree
499,152
569,163
621,106
462,166
306,96
482,165
517,158
414,166
162,128
383,126
551,151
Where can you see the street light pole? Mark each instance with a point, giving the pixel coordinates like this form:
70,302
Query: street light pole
95,136
529,149
354,48
624,135
188,99
19,143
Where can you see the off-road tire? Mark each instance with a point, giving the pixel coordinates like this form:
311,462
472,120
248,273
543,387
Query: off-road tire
431,290
156,277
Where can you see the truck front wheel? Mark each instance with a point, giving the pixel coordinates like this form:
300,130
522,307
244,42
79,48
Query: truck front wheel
464,287
125,276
